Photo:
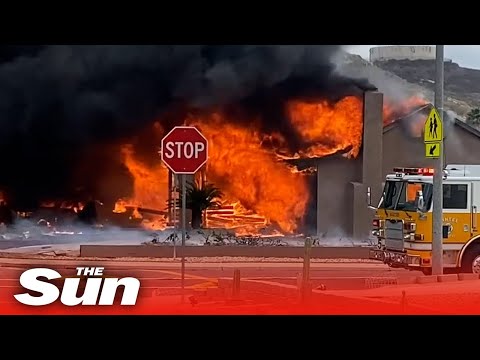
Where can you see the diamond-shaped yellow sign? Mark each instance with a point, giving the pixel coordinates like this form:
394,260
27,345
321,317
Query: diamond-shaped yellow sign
433,129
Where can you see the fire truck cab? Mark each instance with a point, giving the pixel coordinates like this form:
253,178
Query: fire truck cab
403,219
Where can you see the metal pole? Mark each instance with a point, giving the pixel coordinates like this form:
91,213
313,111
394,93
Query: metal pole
184,230
306,270
236,284
170,193
437,236
174,202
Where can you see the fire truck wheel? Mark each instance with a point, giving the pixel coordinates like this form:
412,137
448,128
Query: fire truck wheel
471,259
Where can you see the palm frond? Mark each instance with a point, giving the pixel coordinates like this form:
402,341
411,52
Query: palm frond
203,196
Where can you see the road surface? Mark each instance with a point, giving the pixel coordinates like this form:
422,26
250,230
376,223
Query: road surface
346,288
165,278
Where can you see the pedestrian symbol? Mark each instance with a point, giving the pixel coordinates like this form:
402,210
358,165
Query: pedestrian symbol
433,130
432,150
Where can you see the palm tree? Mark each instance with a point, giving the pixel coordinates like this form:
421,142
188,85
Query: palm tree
201,197
473,117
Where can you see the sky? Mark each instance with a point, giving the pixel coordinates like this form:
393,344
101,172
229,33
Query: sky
465,55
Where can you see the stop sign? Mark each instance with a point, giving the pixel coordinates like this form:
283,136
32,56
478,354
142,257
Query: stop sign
184,150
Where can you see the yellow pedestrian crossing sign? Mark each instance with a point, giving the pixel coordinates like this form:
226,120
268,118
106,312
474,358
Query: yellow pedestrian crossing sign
433,129
432,150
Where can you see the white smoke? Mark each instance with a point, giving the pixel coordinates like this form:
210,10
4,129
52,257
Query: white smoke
452,137
29,237
392,86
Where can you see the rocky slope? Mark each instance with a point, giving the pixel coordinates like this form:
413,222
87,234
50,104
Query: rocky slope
403,79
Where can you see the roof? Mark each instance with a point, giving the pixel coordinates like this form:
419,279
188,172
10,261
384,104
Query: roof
457,122
467,127
305,163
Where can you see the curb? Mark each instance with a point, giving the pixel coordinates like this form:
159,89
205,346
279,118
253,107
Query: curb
411,280
163,251
331,303
430,279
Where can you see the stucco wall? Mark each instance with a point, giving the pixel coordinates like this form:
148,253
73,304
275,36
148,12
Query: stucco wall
341,205
342,184
400,149
335,196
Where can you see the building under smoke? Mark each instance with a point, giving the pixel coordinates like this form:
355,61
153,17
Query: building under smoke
85,122
66,109
341,193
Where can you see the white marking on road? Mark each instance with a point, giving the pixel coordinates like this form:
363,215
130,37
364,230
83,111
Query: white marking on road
141,279
273,283
187,276
311,278
332,293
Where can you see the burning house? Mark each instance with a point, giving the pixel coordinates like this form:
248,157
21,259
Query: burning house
396,143
85,122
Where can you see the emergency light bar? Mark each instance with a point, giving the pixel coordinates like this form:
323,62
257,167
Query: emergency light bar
414,171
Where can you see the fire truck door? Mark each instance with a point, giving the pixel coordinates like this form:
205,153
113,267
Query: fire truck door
474,208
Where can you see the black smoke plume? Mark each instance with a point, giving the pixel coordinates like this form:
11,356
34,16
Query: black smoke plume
62,107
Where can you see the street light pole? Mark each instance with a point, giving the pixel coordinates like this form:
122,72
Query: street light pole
437,220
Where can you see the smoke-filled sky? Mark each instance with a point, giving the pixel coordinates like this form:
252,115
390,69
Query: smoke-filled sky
57,103
465,55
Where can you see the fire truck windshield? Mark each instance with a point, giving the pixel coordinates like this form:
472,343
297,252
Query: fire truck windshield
402,195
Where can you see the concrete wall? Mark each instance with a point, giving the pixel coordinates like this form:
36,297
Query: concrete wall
142,251
371,171
398,52
342,183
335,195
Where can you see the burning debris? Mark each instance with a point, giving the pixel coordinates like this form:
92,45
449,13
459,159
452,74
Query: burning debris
394,111
96,115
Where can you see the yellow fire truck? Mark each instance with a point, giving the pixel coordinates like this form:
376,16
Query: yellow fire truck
403,219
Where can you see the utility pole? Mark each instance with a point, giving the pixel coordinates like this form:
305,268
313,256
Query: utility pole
437,221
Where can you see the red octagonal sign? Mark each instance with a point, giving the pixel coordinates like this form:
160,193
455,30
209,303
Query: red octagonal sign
184,150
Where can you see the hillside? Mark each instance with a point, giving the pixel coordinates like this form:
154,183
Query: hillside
460,83
405,78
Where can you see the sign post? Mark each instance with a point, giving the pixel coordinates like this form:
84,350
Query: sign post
306,289
434,149
184,151
175,199
184,231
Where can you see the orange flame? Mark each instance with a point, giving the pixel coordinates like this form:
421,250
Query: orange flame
259,189
150,184
48,204
120,207
64,205
136,214
150,188
252,175
409,111
329,127
416,126
393,111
